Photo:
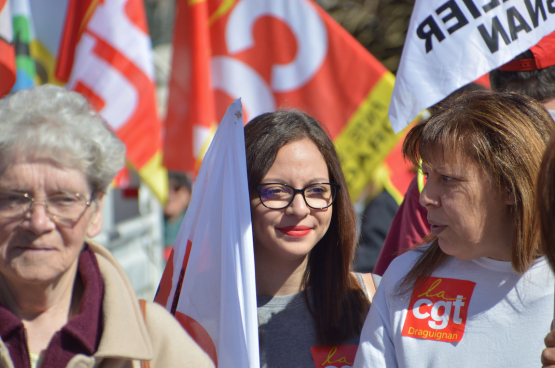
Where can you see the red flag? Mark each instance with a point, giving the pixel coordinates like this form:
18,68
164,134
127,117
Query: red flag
275,54
7,52
106,55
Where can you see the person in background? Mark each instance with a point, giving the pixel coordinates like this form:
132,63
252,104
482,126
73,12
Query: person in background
531,73
311,306
64,300
375,223
179,196
449,303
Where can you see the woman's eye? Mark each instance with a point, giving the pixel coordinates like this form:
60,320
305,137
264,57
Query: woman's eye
317,190
447,178
273,192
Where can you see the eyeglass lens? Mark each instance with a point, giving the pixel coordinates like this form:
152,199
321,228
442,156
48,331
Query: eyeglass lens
64,206
279,195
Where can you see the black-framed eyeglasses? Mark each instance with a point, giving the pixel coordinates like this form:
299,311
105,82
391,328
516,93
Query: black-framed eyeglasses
277,196
65,208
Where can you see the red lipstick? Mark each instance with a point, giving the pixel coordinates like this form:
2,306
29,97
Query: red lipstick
295,231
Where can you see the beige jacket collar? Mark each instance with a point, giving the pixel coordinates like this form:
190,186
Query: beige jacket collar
125,334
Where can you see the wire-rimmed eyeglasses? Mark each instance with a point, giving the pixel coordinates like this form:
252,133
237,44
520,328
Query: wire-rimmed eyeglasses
277,196
66,208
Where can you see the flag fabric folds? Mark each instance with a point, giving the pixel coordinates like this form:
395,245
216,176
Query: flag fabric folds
105,54
209,281
7,52
452,43
275,54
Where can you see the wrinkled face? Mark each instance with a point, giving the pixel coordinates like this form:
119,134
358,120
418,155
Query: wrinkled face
290,234
36,248
467,213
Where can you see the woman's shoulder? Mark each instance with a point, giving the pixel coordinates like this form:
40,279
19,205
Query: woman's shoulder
404,262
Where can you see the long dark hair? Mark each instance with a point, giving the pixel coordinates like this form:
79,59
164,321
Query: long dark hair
341,305
506,134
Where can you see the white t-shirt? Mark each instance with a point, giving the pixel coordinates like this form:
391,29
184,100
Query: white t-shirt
495,317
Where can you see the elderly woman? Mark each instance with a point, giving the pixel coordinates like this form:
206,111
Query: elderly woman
64,301
481,293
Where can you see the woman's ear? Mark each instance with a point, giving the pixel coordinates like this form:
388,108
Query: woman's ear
95,224
508,197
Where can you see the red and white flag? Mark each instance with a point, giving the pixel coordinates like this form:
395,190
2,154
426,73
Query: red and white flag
105,54
275,54
452,43
7,52
209,281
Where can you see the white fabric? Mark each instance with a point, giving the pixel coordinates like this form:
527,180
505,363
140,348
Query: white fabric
219,290
508,318
463,55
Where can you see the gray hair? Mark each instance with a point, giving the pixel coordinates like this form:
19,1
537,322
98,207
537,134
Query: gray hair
58,125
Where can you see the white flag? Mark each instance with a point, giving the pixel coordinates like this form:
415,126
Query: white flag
209,282
452,43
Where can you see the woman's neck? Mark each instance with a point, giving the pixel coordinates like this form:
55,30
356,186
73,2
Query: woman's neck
43,308
279,278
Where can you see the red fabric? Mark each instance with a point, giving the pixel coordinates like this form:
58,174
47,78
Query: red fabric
78,13
409,226
544,51
81,335
544,57
331,95
7,67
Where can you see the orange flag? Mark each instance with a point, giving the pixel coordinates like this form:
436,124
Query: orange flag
275,54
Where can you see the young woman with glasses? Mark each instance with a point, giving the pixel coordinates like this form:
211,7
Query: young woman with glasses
311,307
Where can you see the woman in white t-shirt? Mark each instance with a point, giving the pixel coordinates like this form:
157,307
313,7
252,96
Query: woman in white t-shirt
480,294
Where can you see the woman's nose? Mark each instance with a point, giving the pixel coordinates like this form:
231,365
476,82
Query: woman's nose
37,219
298,207
429,196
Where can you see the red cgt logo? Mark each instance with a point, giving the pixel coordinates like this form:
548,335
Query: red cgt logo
438,309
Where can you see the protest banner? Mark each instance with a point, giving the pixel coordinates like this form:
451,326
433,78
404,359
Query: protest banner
275,54
452,43
7,52
209,282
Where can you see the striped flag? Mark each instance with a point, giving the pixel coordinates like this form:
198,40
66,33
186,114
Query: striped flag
7,52
24,34
208,283
275,54
105,54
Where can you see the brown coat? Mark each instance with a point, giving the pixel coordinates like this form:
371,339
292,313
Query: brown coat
126,339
